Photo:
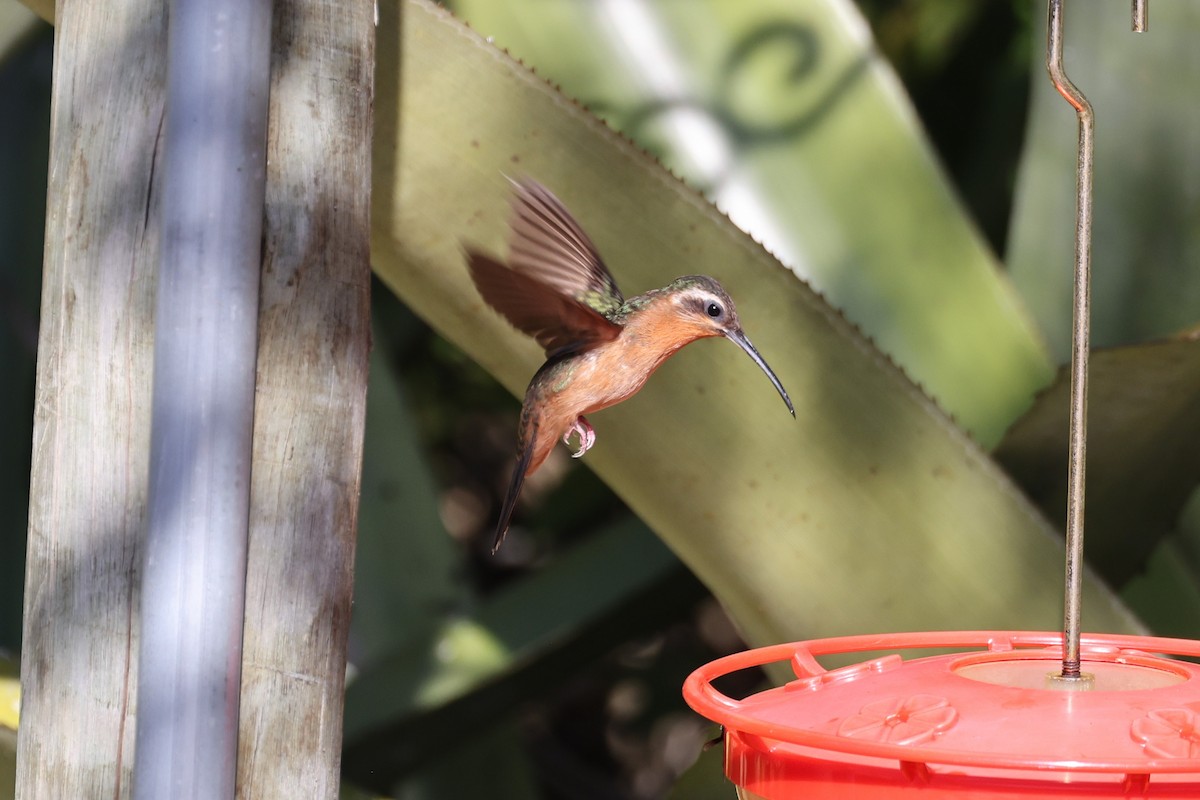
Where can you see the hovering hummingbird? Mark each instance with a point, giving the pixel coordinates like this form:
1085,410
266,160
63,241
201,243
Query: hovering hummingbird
600,347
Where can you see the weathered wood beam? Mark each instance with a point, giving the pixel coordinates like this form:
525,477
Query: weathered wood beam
92,423
91,437
314,338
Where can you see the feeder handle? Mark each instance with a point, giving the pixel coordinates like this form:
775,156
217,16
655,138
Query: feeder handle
744,717
699,683
802,656
698,689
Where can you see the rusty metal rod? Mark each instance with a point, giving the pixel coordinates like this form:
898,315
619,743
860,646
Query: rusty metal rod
1081,313
1141,15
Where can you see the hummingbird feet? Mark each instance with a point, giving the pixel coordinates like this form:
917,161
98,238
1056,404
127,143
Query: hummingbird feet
587,436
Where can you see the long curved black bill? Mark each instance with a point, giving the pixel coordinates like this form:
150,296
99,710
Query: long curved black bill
739,338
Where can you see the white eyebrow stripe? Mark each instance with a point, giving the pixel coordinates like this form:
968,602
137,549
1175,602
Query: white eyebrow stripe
696,293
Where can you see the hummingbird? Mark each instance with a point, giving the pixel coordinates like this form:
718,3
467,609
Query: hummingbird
600,347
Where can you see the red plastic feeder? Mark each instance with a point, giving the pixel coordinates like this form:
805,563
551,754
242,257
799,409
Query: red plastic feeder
988,723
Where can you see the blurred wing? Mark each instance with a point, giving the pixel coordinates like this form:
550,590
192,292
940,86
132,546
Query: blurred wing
548,245
559,323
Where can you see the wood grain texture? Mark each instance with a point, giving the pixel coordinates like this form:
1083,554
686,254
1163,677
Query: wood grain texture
92,422
92,414
311,402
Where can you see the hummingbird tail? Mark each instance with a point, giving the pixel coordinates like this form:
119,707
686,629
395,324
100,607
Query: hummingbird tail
514,487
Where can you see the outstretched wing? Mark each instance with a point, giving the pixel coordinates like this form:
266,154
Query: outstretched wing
559,323
549,246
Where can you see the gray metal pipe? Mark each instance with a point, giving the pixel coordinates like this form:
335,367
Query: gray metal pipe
194,570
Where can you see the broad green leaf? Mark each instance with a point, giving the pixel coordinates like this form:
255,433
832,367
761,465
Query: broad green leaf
406,585
872,511
349,792
405,562
10,708
10,692
485,762
416,703
16,23
1167,593
1189,532
705,780
42,8
8,763
1145,240
783,112
1142,458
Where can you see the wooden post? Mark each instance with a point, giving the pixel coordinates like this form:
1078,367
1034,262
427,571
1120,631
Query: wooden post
92,418
92,415
312,379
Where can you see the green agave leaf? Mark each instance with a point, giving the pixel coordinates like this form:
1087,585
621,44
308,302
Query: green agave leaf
1146,243
405,562
426,698
1167,593
8,763
488,764
705,780
405,586
348,792
10,706
1189,534
1142,459
788,118
872,511
16,23
42,8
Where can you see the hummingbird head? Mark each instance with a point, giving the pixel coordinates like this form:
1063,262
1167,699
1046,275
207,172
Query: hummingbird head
703,304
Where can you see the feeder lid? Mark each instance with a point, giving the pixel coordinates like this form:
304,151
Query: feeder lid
992,708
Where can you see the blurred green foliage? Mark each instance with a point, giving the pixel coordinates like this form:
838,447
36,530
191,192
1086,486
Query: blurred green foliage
25,87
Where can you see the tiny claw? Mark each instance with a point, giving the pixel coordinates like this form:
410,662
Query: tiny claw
587,436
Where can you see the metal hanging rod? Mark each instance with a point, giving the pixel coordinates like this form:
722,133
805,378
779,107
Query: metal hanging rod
1141,15
1081,333
1079,340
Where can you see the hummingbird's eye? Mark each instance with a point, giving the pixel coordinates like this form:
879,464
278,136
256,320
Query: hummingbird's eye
714,310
